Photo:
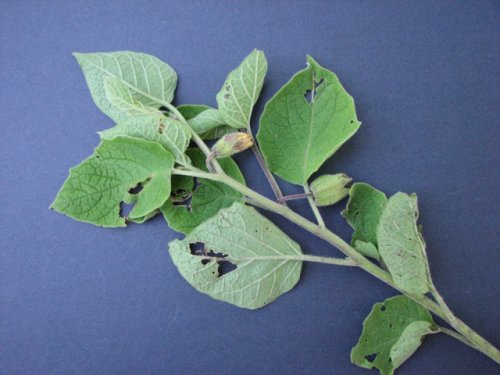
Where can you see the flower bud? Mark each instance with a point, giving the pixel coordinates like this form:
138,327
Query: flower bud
231,144
330,188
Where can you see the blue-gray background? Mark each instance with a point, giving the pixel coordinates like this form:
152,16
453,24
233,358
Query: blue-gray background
78,299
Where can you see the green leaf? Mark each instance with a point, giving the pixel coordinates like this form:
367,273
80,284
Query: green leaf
391,334
207,122
267,261
184,212
305,123
96,187
151,81
241,90
170,133
123,103
368,249
189,111
400,244
363,211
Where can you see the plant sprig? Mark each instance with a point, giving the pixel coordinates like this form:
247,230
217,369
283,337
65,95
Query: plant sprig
146,161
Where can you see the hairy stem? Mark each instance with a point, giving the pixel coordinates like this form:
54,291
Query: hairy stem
314,208
196,138
475,339
457,336
270,177
292,197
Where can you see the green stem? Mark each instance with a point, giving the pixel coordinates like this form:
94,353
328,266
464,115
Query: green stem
314,208
292,197
457,336
270,177
196,138
357,258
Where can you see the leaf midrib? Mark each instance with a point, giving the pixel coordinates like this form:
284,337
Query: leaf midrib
157,100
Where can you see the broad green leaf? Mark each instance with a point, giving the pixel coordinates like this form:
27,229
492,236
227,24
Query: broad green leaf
151,81
391,333
185,211
400,244
267,261
96,187
207,122
143,219
305,123
362,212
123,102
170,133
241,90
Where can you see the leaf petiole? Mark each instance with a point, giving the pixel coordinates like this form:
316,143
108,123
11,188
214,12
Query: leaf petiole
292,197
270,177
314,208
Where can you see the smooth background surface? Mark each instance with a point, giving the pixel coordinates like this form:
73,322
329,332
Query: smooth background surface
83,300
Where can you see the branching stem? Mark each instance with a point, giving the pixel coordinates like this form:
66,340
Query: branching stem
270,177
195,137
292,197
440,309
314,208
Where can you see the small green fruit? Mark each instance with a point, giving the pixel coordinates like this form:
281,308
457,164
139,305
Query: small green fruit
330,188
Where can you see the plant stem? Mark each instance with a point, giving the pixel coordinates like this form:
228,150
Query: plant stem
196,138
457,336
270,177
292,197
475,339
314,208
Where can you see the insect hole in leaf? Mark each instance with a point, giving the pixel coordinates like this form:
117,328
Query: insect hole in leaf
225,266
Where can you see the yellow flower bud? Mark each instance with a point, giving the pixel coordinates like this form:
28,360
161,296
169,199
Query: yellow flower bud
231,144
330,189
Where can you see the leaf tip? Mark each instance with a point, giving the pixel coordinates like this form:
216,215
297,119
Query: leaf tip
310,60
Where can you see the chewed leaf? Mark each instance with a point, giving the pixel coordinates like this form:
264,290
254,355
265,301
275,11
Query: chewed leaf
305,123
150,81
401,246
170,133
267,261
123,102
392,332
121,170
241,90
207,122
189,208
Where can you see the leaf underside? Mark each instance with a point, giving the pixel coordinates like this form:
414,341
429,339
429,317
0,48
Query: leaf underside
95,188
392,332
265,258
170,133
150,81
305,123
241,90
189,208
122,101
401,245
